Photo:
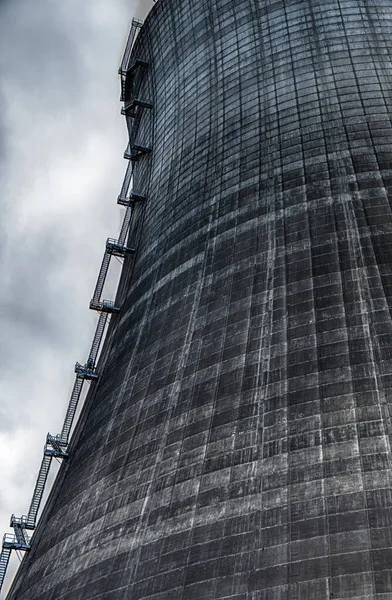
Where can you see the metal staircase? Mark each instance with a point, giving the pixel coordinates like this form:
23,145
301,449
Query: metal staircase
4,558
126,224
92,357
56,446
19,525
122,199
125,63
71,409
19,541
31,518
134,107
113,248
103,271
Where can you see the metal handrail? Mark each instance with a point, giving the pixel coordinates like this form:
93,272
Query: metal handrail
8,537
136,25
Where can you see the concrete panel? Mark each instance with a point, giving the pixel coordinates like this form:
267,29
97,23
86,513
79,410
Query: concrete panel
237,444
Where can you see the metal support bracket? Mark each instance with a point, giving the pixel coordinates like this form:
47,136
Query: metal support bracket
133,153
129,109
115,248
131,200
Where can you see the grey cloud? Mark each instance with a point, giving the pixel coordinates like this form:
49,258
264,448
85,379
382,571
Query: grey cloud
42,63
24,303
58,89
38,56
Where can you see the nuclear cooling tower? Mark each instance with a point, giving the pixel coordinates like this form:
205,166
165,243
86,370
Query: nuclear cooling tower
236,444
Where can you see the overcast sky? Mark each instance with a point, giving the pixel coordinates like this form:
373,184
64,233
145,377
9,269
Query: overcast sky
61,169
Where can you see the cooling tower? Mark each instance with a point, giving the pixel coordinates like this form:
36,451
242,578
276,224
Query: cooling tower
236,444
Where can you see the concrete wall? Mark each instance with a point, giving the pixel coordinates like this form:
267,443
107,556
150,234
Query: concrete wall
237,444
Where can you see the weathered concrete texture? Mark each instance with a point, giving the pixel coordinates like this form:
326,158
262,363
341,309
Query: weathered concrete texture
238,443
